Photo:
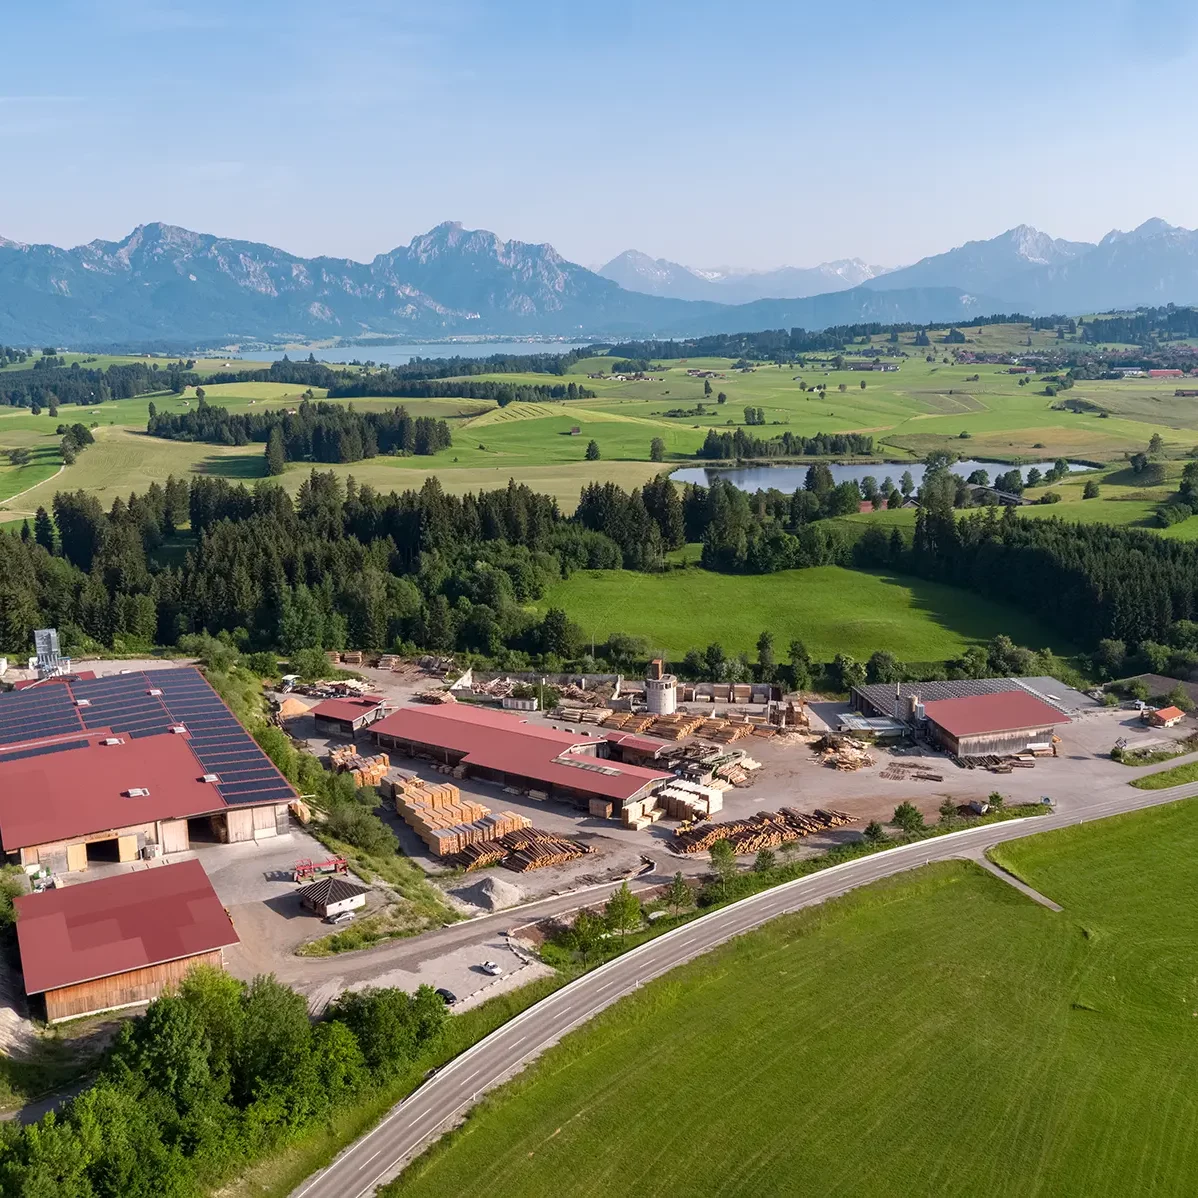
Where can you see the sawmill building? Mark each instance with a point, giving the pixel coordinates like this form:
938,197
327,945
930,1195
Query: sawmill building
503,748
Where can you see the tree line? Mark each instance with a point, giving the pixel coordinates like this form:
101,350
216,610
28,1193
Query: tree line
315,431
387,383
724,446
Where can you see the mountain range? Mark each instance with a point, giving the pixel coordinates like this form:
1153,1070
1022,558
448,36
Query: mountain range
163,285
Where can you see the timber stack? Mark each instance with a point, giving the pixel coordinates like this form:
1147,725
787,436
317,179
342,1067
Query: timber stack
765,830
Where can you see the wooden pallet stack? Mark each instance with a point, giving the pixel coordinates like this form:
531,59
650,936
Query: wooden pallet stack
765,830
447,823
366,771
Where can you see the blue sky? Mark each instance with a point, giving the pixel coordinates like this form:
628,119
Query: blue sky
757,133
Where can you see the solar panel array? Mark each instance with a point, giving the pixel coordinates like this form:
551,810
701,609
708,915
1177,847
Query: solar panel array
124,703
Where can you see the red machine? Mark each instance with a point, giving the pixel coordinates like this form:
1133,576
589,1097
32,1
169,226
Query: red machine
306,869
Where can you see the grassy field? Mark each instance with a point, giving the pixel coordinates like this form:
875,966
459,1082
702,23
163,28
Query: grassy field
833,610
937,1033
975,410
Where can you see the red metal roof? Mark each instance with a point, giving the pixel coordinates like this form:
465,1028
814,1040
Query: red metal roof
97,929
640,744
346,709
495,740
82,675
1007,711
75,792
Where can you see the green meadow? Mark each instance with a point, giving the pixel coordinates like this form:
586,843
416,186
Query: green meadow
831,609
934,1034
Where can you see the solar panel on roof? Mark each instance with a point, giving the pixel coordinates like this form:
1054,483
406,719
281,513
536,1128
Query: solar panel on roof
20,754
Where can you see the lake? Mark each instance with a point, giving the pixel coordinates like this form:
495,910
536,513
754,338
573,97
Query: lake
400,355
791,478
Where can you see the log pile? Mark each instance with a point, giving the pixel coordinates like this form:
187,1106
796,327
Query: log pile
675,727
627,721
434,696
765,830
531,848
574,713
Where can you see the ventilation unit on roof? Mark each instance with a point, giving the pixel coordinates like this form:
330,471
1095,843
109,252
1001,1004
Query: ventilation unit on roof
177,728
113,740
210,778
153,691
83,702
137,792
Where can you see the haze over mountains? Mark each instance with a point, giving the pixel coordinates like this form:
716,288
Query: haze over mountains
170,286
724,285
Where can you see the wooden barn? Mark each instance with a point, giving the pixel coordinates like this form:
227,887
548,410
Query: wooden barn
117,942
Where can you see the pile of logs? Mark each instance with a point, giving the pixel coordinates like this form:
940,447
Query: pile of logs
765,830
627,721
675,727
843,753
521,851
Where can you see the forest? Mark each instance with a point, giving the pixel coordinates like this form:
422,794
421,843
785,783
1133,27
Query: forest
345,565
211,1078
317,432
1144,327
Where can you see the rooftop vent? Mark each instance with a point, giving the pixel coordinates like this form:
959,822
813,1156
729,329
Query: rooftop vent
153,691
113,740
83,702
210,778
177,728
137,792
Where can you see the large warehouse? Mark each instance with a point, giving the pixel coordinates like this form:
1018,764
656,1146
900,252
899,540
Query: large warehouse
977,717
119,941
503,748
111,769
1000,725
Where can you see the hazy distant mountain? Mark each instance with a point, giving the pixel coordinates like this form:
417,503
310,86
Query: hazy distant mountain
730,285
1154,264
166,285
993,266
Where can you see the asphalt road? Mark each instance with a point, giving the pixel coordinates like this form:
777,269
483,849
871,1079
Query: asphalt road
381,1154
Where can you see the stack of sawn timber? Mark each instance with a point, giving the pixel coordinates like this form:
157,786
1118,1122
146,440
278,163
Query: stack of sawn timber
366,771
524,849
445,821
765,830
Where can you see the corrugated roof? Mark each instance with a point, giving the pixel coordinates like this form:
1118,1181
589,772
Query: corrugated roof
1008,711
346,709
74,792
498,741
97,929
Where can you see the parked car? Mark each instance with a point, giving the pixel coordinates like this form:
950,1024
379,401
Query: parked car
492,968
340,917
446,996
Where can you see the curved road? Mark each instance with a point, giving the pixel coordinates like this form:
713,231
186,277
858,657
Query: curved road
381,1154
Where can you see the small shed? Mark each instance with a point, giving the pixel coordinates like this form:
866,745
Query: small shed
1166,717
345,717
331,896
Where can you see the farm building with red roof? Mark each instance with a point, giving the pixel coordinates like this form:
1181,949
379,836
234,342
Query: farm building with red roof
503,748
119,941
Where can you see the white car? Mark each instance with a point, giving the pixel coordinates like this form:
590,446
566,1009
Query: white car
340,917
492,968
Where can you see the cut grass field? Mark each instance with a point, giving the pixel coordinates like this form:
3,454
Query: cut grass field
833,610
937,1033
